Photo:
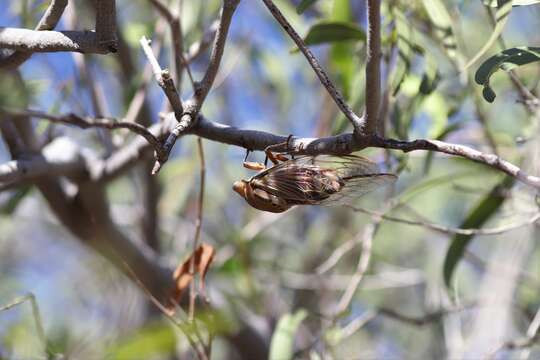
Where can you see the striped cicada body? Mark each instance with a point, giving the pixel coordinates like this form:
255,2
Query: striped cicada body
311,180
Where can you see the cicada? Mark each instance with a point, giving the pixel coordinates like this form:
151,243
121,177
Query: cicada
310,180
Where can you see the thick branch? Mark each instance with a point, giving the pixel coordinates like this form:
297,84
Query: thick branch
48,22
51,41
321,74
373,64
337,145
59,158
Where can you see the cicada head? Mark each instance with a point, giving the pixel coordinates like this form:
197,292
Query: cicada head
240,187
258,198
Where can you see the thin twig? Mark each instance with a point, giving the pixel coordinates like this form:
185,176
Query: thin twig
200,354
176,33
35,314
89,122
227,11
423,319
373,67
532,331
336,255
363,261
196,49
524,343
163,79
355,120
198,225
451,230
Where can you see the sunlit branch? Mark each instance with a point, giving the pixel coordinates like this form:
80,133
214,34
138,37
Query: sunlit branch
51,41
47,22
163,78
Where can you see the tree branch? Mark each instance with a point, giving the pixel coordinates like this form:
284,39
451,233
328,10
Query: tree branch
59,158
373,64
227,11
163,79
176,33
336,145
202,89
51,41
451,230
47,22
355,120
368,234
199,47
106,24
88,122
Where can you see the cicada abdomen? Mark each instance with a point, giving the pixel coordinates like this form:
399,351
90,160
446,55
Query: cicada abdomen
312,180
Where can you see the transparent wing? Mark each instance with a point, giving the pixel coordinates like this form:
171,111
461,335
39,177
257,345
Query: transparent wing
322,179
357,187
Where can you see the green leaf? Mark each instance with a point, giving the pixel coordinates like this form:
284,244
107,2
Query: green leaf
430,77
282,343
343,61
504,7
334,31
154,339
481,213
304,5
404,36
442,20
505,60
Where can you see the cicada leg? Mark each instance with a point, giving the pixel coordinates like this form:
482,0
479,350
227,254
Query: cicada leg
252,165
276,157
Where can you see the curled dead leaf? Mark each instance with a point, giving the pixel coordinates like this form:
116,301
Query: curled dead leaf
203,257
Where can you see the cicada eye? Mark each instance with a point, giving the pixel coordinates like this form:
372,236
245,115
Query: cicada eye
239,187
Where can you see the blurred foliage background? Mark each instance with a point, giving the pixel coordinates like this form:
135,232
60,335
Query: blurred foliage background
277,271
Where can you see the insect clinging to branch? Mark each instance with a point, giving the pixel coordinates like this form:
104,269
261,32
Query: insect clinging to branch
309,180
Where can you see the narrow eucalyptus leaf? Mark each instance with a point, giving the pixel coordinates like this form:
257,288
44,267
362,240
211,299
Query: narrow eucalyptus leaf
481,213
304,5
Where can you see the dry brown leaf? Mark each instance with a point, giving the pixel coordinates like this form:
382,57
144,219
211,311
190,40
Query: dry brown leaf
203,256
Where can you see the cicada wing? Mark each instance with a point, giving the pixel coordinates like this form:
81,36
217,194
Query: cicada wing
322,179
358,186
297,184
